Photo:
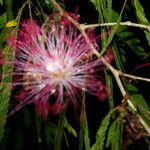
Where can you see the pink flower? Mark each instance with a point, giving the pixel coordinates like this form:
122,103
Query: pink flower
54,63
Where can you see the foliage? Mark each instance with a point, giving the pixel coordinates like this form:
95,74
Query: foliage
72,129
100,137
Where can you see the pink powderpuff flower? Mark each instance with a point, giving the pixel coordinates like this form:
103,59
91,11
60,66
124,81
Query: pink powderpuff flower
54,63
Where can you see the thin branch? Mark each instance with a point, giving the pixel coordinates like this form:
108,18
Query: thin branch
133,77
127,23
115,72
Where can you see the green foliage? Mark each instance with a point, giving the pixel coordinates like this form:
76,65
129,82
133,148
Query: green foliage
4,100
101,133
70,129
6,70
100,5
145,114
3,19
109,83
84,132
10,14
5,92
140,12
114,137
139,100
141,17
38,127
131,88
118,53
50,130
136,96
59,131
1,2
127,40
147,33
104,9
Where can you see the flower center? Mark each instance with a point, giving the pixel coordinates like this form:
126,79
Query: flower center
58,70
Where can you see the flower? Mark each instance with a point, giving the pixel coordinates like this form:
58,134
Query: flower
54,62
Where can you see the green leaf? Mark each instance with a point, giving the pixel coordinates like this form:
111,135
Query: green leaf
104,9
124,33
147,33
84,132
50,130
2,37
133,41
4,102
140,12
114,16
131,88
1,2
126,39
145,114
115,135
38,127
70,128
101,133
109,84
110,38
9,5
139,100
5,92
117,55
59,131
141,17
3,19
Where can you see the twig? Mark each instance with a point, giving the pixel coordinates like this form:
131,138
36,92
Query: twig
115,72
133,77
127,23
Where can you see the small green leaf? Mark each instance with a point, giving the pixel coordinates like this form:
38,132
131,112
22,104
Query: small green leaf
59,131
141,17
1,2
139,100
115,134
3,37
147,33
140,12
131,88
50,130
115,16
84,139
38,127
3,19
70,128
133,41
117,55
109,84
124,34
101,133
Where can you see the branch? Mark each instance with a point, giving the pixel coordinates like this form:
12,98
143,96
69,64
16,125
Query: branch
133,77
127,23
115,72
